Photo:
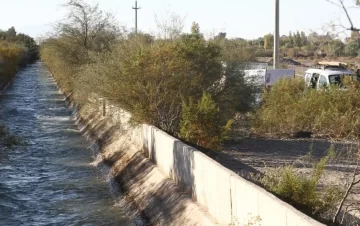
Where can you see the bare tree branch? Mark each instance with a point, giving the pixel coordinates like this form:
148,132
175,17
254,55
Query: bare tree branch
348,190
342,5
348,16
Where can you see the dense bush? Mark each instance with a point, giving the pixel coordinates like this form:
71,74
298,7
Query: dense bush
16,50
146,76
201,123
290,107
31,49
10,58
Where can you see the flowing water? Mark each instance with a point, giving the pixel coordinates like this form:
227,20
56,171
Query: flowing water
51,180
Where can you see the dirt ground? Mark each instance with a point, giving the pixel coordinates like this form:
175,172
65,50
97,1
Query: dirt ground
255,155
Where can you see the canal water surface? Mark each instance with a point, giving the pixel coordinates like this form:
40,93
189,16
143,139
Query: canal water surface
52,180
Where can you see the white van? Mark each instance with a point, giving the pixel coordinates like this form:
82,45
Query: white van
326,73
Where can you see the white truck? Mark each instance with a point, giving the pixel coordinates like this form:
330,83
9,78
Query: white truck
325,74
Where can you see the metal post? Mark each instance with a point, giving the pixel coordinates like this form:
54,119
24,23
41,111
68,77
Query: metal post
136,8
277,35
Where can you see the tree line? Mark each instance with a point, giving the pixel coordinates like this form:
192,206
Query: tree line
16,50
298,44
28,44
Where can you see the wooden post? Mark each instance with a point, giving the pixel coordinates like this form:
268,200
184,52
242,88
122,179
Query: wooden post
104,108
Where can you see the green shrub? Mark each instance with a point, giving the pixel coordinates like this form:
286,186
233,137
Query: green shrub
201,123
290,107
303,190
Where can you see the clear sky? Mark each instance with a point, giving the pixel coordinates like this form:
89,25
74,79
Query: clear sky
238,18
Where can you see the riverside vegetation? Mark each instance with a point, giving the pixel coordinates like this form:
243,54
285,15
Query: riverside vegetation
291,107
177,82
16,50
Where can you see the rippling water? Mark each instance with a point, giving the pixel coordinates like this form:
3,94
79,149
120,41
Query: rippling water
51,181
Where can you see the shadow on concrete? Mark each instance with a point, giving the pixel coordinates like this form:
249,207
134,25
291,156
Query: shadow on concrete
183,166
137,171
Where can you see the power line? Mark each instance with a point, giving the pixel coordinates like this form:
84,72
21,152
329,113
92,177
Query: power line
136,8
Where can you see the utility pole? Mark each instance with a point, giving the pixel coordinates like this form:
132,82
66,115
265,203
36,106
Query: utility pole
277,35
136,8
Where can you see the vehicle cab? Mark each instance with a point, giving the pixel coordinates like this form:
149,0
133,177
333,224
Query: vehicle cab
325,74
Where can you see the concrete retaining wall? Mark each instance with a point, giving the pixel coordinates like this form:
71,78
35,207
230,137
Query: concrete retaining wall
229,198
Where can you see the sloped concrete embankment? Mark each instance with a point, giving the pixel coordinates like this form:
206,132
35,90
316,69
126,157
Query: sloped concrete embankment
154,194
164,177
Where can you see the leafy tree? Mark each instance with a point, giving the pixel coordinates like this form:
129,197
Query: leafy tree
150,81
304,40
11,32
268,41
297,39
291,39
